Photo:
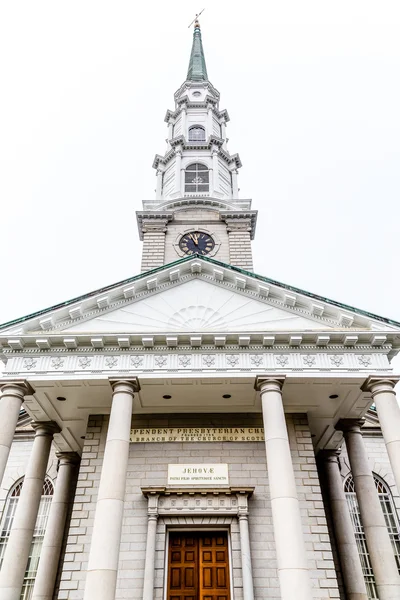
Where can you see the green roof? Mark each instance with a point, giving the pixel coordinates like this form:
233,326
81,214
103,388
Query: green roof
197,70
214,262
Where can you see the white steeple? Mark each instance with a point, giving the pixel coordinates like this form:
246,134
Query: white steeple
197,183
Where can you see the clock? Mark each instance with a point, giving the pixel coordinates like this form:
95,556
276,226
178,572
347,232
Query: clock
196,242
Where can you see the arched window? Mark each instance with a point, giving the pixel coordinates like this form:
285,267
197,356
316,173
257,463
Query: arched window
38,534
392,523
197,133
197,179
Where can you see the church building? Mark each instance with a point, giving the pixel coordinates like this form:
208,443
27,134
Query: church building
198,431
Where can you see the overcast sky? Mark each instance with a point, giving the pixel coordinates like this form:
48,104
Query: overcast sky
313,92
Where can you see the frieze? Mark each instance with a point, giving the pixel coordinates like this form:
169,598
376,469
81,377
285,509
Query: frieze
168,501
218,360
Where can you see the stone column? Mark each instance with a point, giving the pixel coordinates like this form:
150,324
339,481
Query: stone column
247,573
349,557
290,548
102,569
378,541
152,517
20,540
387,407
53,537
12,397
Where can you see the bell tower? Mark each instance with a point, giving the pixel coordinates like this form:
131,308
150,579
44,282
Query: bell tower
197,209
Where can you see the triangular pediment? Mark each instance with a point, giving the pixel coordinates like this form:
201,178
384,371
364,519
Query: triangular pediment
196,306
197,295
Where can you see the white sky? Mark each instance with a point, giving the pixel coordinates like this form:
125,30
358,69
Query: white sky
313,92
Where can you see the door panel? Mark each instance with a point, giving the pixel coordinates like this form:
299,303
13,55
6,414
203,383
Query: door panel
198,567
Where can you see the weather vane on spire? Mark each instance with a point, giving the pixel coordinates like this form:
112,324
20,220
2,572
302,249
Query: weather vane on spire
196,19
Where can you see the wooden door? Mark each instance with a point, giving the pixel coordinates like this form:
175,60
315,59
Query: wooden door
198,566
183,563
214,566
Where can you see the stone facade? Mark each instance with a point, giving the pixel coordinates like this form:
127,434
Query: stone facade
148,467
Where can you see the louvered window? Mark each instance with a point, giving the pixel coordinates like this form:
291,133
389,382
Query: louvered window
38,534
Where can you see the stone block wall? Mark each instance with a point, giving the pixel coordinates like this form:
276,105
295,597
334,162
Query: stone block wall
240,254
153,250
247,467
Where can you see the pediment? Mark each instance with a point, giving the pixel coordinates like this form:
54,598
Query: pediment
198,295
196,306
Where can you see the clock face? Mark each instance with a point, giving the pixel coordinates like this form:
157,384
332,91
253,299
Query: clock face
196,242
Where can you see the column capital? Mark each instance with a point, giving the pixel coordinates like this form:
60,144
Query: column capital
16,387
119,384
68,458
376,384
269,383
331,456
45,428
350,425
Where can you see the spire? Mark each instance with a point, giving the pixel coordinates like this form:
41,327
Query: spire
197,70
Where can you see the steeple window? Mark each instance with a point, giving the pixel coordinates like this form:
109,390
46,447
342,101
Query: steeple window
197,133
197,179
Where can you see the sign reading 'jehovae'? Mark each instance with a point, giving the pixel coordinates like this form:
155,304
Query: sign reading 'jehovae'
198,434
198,474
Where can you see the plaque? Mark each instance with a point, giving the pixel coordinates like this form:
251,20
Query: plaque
214,474
198,434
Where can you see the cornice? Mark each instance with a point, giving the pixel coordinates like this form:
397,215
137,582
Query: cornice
236,219
222,115
209,201
180,143
152,221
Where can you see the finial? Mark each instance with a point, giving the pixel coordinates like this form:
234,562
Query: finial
196,20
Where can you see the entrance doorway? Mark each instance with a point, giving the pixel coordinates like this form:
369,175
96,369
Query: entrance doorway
198,566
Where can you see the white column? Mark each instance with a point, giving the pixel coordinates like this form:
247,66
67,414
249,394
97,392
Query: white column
209,120
152,517
184,121
223,132
247,572
387,407
178,164
53,537
235,188
378,541
349,557
159,175
293,571
20,540
102,569
215,169
12,397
